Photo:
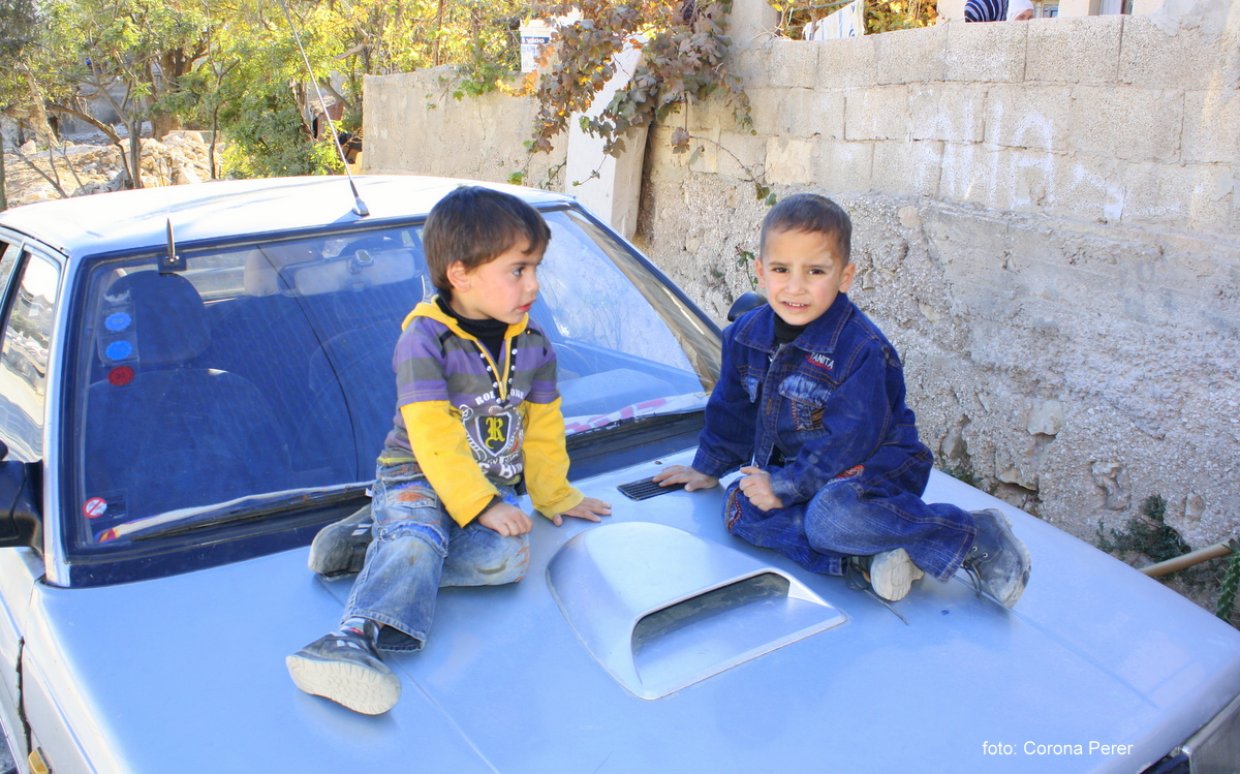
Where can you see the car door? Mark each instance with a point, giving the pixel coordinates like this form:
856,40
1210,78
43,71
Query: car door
29,289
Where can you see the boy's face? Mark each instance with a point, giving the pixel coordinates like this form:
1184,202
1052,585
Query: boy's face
502,289
802,272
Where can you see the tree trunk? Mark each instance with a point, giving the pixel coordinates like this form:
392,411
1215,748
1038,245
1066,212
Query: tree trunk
135,156
4,197
163,123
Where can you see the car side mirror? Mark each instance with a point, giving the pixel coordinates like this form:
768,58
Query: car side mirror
20,490
747,300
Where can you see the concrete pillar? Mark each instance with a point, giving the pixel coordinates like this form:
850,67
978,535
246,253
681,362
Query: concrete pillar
751,20
1069,8
608,186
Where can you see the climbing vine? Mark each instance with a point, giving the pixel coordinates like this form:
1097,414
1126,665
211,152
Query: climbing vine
684,57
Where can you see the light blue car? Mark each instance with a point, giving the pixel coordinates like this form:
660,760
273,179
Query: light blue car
180,421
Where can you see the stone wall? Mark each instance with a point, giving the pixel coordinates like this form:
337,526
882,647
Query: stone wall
1046,225
415,124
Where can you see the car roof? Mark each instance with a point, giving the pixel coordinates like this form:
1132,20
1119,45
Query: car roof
222,209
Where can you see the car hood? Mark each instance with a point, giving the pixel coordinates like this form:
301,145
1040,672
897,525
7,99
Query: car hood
188,672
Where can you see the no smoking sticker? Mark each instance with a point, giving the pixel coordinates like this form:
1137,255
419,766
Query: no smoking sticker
94,507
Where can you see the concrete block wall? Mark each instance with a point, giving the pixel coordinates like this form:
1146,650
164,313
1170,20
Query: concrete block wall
1056,117
415,125
1047,224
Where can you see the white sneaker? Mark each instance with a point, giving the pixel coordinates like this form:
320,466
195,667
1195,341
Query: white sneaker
892,574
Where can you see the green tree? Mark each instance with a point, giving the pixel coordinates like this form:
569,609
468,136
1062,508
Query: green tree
18,22
127,54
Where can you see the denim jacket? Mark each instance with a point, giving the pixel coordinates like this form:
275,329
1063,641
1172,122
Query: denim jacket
828,405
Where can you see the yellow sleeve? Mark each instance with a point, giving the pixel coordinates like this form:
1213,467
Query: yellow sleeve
546,460
441,448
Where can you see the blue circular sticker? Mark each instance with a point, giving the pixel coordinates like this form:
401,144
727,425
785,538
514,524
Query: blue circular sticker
117,321
119,350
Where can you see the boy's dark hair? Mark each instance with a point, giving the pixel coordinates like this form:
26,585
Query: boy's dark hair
810,212
474,225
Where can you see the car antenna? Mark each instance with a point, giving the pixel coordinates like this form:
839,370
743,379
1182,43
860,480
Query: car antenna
359,207
171,262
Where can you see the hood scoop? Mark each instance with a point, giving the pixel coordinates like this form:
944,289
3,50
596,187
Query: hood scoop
661,609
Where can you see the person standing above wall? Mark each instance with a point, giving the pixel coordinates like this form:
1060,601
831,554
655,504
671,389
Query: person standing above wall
985,10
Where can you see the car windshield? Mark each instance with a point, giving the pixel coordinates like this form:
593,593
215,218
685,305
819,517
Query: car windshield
265,367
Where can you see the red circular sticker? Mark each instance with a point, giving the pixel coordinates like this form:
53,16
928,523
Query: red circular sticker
120,376
94,507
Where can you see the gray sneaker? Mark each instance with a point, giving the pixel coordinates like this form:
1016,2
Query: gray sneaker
892,574
345,668
997,561
340,548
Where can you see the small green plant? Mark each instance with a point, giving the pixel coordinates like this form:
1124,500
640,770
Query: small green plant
963,471
745,260
1149,535
1231,582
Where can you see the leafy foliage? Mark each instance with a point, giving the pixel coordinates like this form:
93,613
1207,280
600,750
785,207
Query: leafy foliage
1149,535
684,49
880,15
1230,584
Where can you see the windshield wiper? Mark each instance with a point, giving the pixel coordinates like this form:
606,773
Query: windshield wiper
238,511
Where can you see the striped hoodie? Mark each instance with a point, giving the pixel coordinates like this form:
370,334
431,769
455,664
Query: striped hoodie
469,422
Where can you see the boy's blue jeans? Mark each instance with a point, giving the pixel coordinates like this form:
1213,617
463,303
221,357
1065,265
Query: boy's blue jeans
847,519
418,548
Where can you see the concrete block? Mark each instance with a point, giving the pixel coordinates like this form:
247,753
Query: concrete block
1184,58
1211,126
751,20
847,64
1086,188
765,106
793,63
843,167
718,110
946,111
1026,116
752,65
911,56
1127,122
672,166
1197,196
986,53
1015,180
703,155
790,160
807,113
1075,50
907,168
741,155
879,113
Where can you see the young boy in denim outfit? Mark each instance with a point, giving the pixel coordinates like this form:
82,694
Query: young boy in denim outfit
478,417
810,406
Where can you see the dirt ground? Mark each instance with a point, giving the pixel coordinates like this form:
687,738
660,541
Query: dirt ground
76,169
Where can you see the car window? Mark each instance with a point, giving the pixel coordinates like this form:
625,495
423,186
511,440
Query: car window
24,355
8,262
267,367
624,342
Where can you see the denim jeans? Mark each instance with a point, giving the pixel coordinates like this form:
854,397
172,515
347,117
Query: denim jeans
418,548
846,519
